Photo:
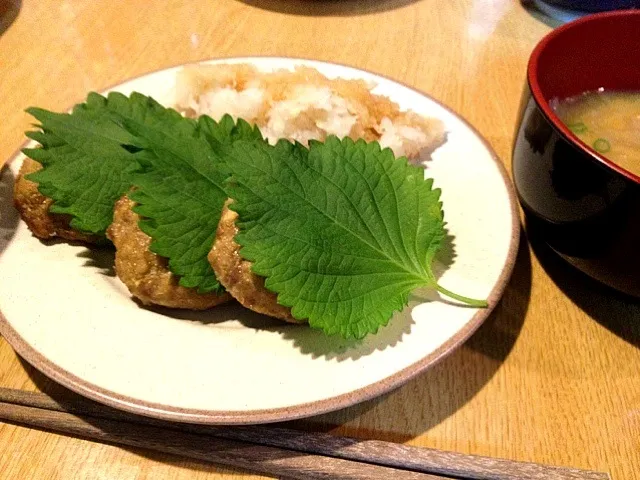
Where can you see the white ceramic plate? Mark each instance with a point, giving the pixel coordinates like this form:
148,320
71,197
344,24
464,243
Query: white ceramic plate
65,312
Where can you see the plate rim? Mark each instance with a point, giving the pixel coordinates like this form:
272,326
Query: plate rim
303,410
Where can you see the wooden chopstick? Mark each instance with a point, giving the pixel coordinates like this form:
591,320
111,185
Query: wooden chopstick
273,450
258,458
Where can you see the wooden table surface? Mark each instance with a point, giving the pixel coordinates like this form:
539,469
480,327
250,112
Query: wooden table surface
553,374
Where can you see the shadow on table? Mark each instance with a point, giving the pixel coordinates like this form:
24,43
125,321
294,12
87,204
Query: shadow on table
9,10
539,15
427,400
615,311
9,217
328,8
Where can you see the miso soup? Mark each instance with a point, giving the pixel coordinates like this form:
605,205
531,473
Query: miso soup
607,121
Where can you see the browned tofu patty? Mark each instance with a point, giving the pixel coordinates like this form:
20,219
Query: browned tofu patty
234,273
34,209
146,274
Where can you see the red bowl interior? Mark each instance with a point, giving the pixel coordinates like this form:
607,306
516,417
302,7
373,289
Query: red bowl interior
596,51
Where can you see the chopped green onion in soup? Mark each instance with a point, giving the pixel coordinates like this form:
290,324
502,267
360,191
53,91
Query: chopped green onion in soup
607,121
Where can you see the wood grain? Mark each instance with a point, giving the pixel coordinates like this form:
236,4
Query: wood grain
552,376
263,459
375,452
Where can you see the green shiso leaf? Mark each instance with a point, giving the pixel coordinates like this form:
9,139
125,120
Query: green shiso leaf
180,191
342,231
85,167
